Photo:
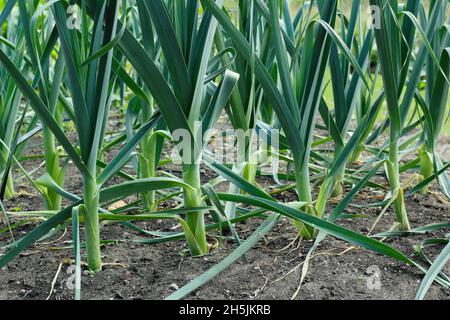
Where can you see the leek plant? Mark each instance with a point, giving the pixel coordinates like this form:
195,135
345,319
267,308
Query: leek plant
178,66
39,49
435,112
10,99
90,86
388,42
394,44
301,72
88,57
347,87
246,101
435,104
188,101
142,107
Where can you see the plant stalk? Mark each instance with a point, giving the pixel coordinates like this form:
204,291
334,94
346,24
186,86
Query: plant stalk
52,199
339,183
10,193
394,180
249,172
426,168
303,183
193,199
92,226
147,170
147,160
303,188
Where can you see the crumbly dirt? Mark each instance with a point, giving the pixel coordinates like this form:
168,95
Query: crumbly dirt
269,271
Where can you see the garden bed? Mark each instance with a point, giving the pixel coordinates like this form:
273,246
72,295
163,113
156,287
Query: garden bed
136,139
271,270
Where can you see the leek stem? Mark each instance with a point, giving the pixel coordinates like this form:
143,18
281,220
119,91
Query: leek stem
339,184
52,199
249,172
394,180
426,168
147,159
147,170
193,199
92,226
303,184
304,194
9,192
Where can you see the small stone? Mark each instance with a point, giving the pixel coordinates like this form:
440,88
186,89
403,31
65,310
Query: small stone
174,287
126,235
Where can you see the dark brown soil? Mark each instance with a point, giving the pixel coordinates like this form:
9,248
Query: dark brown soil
135,271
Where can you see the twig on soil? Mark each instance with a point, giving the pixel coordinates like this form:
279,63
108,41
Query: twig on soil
296,248
299,265
336,200
52,288
265,282
180,264
287,247
55,241
266,241
30,253
113,264
438,197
